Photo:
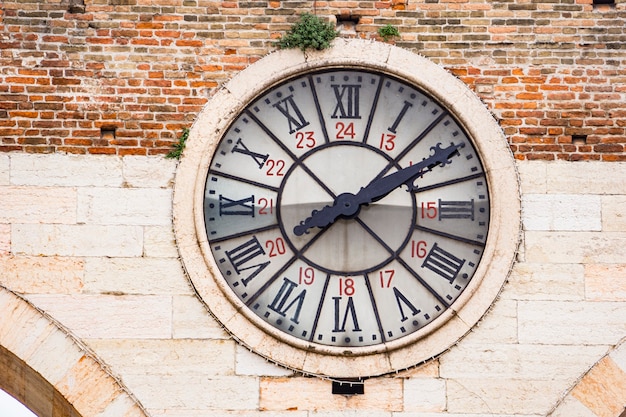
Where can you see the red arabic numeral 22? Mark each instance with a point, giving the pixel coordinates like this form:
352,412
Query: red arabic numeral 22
275,168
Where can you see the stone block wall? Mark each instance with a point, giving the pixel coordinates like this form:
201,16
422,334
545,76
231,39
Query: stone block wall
88,241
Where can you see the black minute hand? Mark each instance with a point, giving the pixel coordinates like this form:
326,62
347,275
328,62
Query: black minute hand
348,205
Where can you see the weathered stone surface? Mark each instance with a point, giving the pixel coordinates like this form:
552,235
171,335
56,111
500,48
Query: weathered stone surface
249,363
571,323
159,241
124,206
42,274
545,281
108,316
138,275
150,172
614,213
66,170
585,178
603,389
316,394
605,282
76,240
424,394
190,319
157,357
561,212
4,170
37,205
574,247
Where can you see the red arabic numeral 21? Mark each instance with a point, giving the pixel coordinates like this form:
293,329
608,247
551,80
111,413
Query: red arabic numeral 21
275,167
418,249
266,206
275,247
345,131
305,140
306,275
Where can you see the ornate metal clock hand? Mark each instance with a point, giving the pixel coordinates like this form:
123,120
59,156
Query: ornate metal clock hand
347,205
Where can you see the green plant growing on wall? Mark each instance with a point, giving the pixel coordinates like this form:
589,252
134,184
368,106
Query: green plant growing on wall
178,147
309,32
387,32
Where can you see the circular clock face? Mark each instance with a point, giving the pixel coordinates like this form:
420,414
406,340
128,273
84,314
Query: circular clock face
346,207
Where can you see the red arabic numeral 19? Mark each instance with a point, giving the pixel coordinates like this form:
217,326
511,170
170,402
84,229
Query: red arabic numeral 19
306,275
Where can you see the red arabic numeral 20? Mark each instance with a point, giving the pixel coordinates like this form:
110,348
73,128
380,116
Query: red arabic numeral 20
275,247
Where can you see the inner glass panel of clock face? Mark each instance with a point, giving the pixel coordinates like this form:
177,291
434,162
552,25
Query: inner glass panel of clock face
346,208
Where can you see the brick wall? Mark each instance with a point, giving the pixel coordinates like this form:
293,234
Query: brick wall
126,76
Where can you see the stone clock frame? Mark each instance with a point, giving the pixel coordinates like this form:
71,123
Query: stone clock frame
333,361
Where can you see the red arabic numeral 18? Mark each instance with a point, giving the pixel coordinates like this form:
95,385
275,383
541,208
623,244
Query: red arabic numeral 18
346,286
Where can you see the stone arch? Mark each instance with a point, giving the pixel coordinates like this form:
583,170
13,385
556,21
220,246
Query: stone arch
46,369
601,391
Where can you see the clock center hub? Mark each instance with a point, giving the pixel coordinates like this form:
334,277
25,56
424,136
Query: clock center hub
362,237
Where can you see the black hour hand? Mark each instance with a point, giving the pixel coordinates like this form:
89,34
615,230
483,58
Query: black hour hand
345,205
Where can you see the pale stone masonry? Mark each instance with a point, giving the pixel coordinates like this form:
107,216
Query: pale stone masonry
88,241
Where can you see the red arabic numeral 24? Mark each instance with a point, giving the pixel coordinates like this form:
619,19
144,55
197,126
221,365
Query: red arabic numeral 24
345,131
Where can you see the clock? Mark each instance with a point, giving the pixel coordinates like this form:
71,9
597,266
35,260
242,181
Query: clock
348,211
